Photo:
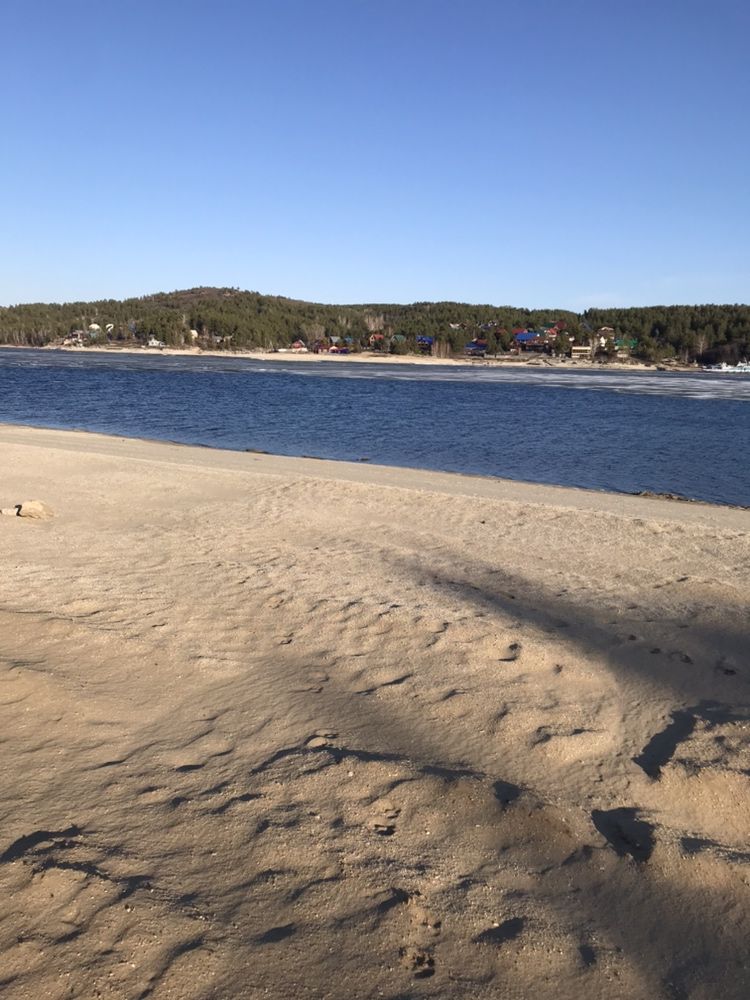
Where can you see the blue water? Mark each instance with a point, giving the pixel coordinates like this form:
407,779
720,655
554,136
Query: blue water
626,431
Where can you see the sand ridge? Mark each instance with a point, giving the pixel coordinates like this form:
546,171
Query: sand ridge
275,728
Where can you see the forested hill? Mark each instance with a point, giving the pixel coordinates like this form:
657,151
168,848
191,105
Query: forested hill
233,319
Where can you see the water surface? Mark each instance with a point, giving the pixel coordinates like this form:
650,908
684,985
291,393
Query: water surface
684,433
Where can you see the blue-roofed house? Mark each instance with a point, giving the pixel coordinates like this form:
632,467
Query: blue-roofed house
476,348
530,340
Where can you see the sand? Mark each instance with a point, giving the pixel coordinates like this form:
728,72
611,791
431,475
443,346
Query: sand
528,360
285,728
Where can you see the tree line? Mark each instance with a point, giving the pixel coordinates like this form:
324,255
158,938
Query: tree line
227,318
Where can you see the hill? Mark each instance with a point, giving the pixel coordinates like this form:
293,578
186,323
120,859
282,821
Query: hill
239,320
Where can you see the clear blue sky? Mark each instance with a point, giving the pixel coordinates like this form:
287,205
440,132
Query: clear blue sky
534,153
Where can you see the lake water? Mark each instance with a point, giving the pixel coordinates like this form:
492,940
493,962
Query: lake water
685,433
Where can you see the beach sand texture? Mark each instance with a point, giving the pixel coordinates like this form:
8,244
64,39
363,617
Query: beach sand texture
284,728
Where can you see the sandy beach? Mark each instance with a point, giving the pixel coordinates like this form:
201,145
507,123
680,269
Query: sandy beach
279,727
529,360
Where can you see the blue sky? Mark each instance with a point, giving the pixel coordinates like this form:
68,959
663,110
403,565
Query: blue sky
533,153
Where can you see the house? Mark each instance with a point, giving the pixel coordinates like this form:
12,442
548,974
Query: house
550,335
530,340
624,346
425,344
299,347
153,342
331,345
476,348
581,351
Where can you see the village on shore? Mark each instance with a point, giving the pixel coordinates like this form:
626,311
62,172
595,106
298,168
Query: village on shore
230,321
553,341
552,344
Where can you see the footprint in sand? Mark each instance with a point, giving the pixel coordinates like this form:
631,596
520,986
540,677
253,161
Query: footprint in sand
425,927
677,654
588,955
514,651
311,683
424,920
626,832
499,933
382,820
320,740
418,961
723,667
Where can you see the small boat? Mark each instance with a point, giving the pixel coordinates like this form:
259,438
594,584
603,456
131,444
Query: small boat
741,367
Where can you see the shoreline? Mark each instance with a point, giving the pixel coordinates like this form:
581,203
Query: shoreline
534,361
412,477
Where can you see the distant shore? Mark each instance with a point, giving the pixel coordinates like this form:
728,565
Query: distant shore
520,361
